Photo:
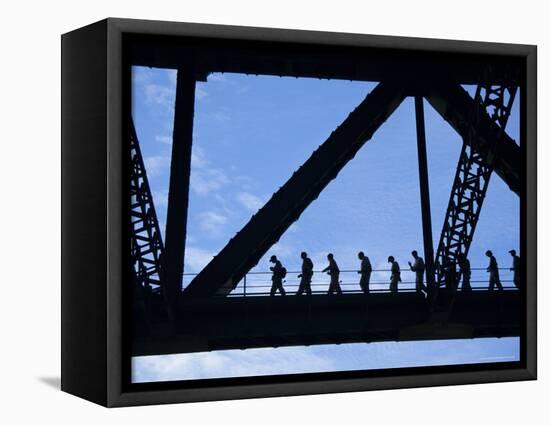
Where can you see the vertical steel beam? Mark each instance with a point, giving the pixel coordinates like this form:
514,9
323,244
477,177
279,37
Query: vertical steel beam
424,194
180,171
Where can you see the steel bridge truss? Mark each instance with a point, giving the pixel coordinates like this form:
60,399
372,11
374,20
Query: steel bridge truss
146,245
471,181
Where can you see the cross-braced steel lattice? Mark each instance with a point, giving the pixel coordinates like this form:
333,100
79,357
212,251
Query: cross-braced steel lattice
471,181
146,240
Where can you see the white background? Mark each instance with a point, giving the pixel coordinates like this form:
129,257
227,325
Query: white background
30,211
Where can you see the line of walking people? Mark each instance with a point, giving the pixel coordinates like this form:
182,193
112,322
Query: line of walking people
418,266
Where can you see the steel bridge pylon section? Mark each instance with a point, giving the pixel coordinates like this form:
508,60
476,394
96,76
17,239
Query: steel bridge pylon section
471,181
146,246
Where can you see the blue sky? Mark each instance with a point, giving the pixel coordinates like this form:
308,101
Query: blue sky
250,134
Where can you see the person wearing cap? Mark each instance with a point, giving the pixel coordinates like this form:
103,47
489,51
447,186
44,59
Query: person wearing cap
395,274
306,275
465,271
494,278
419,267
515,267
277,277
366,270
334,272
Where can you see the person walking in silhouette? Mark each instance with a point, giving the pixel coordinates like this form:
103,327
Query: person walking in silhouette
449,272
494,278
395,277
366,270
334,272
515,267
306,275
277,278
465,271
418,268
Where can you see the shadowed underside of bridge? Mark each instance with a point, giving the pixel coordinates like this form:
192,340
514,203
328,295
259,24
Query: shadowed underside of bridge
249,322
320,60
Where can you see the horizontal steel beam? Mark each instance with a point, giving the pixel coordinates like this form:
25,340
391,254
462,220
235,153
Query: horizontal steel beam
319,61
248,322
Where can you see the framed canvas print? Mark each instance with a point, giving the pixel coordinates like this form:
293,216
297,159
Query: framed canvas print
252,212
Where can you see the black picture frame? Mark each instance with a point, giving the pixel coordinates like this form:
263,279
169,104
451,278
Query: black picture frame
95,358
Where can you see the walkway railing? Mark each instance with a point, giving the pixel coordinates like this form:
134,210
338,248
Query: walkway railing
258,283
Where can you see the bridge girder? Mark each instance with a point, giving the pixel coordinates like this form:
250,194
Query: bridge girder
284,59
220,323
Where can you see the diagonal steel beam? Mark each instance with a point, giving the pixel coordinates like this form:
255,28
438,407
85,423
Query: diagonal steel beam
455,105
265,228
484,143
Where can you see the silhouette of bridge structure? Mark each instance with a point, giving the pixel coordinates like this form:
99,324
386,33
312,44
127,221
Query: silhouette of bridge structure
209,314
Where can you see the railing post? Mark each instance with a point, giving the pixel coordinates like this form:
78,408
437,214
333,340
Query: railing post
244,286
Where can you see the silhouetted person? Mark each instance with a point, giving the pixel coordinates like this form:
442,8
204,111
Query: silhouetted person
395,277
366,270
334,272
494,278
465,271
449,272
277,277
306,275
515,267
418,268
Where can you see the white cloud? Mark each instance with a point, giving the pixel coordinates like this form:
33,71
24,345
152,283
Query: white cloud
156,164
250,201
164,139
200,92
293,228
172,76
212,222
221,116
198,157
160,198
161,95
141,75
282,250
204,181
230,363
217,77
196,258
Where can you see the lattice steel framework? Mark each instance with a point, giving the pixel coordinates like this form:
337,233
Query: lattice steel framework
146,245
471,180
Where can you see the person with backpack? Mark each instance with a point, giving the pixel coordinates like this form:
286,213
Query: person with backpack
306,275
279,272
334,272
